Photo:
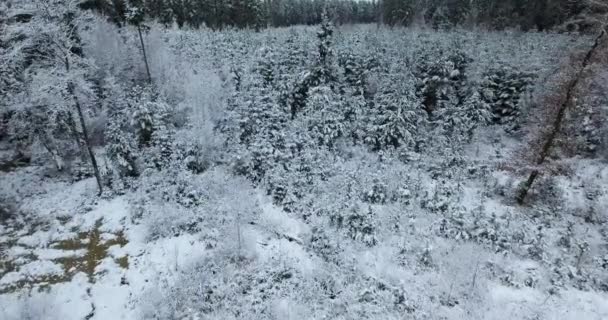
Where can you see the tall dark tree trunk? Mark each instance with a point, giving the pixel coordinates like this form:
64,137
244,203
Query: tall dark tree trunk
88,144
84,130
557,123
143,49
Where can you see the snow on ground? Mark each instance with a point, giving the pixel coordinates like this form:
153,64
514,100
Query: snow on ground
89,260
281,236
32,270
62,267
112,290
523,303
67,300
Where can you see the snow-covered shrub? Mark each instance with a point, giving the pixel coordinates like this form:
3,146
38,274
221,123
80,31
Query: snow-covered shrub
323,244
378,193
477,225
222,287
290,184
279,185
585,123
325,114
121,149
149,114
459,122
491,230
196,157
175,201
357,220
8,208
590,136
454,226
441,197
160,154
538,246
168,203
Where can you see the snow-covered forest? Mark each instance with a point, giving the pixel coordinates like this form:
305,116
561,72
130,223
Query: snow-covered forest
303,159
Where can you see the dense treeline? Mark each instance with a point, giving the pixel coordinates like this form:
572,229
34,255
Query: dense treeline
495,14
217,14
492,14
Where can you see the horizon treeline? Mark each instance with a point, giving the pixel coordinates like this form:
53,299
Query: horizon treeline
440,14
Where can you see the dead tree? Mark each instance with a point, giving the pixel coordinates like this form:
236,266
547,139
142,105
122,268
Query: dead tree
556,126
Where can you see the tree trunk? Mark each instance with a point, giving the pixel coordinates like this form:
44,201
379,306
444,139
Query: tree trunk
557,124
88,144
143,49
84,129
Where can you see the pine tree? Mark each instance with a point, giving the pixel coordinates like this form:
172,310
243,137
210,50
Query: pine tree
503,89
393,119
323,72
324,35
